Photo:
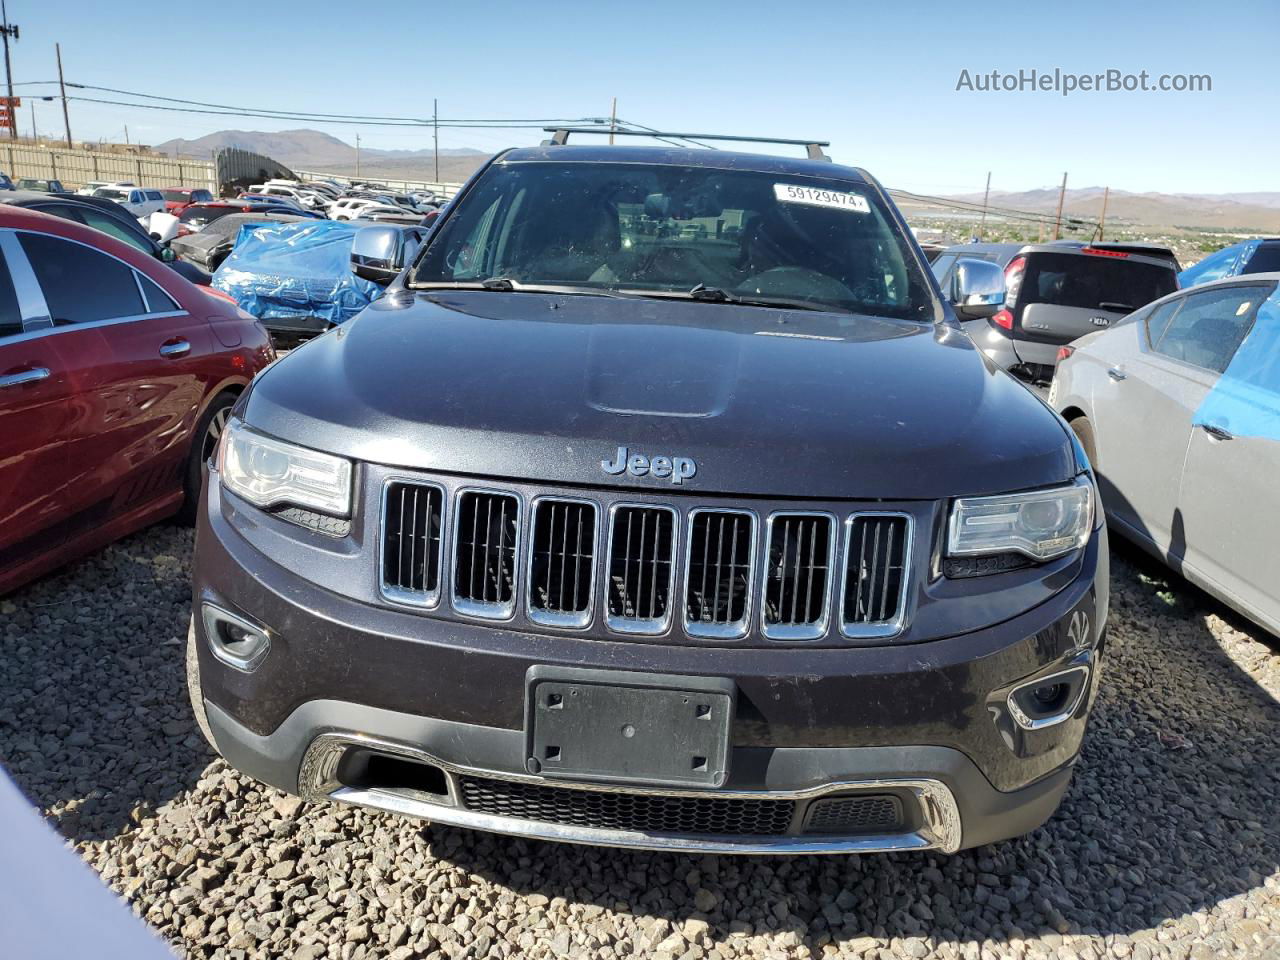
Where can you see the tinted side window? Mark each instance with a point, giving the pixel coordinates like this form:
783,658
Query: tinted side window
1210,325
157,300
113,226
80,284
1265,259
10,315
154,195
1158,319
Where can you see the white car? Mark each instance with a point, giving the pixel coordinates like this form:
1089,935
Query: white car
307,199
93,186
348,208
139,201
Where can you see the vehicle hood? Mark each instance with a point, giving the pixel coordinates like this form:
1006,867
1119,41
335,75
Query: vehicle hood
765,401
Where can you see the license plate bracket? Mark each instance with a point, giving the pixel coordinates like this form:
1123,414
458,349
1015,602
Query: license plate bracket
617,726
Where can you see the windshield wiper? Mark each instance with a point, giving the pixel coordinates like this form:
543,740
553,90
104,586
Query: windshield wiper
717,295
703,292
507,285
1115,305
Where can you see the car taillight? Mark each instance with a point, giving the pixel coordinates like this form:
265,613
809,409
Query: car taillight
1012,282
1064,352
1119,254
1003,318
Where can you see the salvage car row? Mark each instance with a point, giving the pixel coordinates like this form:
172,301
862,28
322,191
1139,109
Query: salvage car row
534,474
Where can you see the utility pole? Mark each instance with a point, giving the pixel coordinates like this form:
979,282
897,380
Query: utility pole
66,118
435,134
982,226
1102,222
34,136
1057,225
126,134
357,155
613,120
9,31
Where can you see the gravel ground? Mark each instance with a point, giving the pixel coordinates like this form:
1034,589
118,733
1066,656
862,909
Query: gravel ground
1168,844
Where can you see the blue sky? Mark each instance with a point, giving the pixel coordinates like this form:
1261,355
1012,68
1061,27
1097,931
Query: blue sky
877,80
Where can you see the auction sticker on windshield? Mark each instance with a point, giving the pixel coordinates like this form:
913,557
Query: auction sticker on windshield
790,193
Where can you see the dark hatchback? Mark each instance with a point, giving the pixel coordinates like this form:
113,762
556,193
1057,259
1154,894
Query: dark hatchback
660,502
1058,292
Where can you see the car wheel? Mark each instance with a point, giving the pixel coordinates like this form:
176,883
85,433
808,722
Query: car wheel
194,690
203,444
1083,430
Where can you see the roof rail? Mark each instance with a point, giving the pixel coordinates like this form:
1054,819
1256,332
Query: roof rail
560,136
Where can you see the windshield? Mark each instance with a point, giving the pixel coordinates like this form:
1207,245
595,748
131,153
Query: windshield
661,230
111,194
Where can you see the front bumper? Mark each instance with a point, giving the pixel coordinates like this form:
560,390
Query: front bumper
926,725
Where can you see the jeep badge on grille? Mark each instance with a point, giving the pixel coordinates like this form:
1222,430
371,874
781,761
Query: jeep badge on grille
675,469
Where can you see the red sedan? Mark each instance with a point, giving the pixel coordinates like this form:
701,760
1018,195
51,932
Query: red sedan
116,378
177,199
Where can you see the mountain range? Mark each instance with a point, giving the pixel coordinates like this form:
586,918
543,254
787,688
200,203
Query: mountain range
1256,212
315,150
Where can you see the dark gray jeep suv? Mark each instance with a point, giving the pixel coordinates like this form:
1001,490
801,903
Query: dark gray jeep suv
659,503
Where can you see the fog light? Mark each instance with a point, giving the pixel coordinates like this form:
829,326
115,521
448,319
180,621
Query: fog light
1048,701
234,640
1051,695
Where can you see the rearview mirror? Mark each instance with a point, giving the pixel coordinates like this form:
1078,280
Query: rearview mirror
375,254
977,288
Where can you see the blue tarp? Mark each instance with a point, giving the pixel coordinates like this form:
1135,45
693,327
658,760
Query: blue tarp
1246,399
285,270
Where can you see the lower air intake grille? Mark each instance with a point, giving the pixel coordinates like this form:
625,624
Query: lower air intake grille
721,544
797,575
641,543
411,542
486,534
876,573
646,813
866,814
562,562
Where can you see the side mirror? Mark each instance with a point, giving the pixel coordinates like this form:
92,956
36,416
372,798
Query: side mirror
977,289
375,254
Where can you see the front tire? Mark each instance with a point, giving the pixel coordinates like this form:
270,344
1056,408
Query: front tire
204,441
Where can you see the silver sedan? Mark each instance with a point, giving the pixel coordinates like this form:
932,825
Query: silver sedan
1178,408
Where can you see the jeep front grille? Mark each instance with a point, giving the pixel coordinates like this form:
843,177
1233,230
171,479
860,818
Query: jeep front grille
562,553
718,573
620,810
486,534
411,526
877,557
798,561
641,555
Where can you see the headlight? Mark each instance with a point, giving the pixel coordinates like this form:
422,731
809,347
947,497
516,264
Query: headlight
266,471
1042,524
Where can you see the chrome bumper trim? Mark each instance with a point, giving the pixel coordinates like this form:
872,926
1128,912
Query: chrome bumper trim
318,781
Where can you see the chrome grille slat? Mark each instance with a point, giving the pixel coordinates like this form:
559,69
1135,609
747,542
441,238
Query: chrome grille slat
411,541
724,610
560,594
876,574
484,574
642,541
799,558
